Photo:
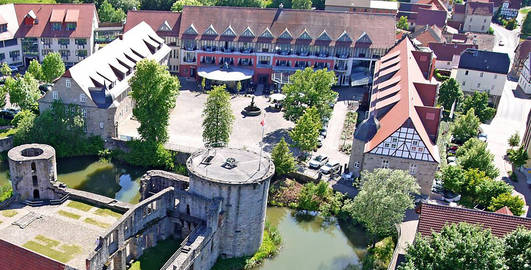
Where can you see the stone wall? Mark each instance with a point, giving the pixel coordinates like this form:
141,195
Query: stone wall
156,180
6,143
18,258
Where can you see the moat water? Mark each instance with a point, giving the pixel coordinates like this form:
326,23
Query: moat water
308,242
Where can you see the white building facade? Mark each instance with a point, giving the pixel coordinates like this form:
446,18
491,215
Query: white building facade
10,49
525,78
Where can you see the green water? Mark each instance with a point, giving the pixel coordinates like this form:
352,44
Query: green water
308,242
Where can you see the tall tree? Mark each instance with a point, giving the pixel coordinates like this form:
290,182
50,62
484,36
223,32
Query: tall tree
217,117
526,26
5,70
35,69
518,157
25,92
239,3
382,201
479,101
309,88
514,140
466,126
513,202
301,4
518,249
154,91
450,92
305,134
52,67
475,155
156,4
402,23
283,158
458,246
107,13
179,4
124,5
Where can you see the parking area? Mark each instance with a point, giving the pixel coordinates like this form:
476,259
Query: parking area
185,128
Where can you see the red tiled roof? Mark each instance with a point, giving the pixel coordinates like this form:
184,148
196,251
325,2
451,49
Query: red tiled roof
428,34
19,258
479,8
44,12
379,27
400,109
434,217
446,51
431,17
155,19
505,211
72,15
523,49
435,4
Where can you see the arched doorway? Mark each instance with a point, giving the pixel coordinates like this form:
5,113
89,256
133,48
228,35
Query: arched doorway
36,194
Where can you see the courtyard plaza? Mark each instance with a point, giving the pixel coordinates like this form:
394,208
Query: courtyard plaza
66,233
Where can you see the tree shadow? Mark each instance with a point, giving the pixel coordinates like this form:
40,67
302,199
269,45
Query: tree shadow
272,138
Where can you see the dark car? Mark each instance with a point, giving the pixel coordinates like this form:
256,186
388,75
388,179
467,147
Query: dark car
44,88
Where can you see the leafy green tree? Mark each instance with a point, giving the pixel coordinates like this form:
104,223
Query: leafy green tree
283,158
518,157
52,67
154,91
518,249
4,89
382,201
67,136
156,4
179,4
305,134
458,246
309,88
479,101
515,203
526,26
301,4
25,92
21,115
453,178
402,23
489,189
475,155
217,117
466,126
511,24
123,5
514,140
35,69
239,3
449,92
107,13
5,70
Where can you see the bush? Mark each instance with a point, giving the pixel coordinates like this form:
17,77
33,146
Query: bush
5,192
147,154
379,256
515,203
491,31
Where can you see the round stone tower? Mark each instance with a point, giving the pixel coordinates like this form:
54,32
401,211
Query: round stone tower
241,178
32,169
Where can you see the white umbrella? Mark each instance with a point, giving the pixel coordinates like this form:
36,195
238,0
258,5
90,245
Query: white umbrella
278,97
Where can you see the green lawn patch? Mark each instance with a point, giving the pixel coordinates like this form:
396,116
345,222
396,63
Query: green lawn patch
107,212
5,192
7,132
52,248
68,214
97,223
79,206
154,258
9,213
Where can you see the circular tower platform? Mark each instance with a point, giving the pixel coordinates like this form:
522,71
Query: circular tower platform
241,178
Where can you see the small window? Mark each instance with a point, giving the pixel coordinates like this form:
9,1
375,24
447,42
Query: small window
68,83
420,149
35,181
386,145
413,168
55,95
385,164
393,145
464,82
479,84
84,112
415,143
82,98
394,139
466,72
413,148
101,125
481,74
356,164
495,76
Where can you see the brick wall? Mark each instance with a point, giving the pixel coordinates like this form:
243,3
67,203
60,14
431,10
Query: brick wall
18,258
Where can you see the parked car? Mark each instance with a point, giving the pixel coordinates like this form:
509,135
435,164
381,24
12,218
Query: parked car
501,43
348,176
482,137
451,197
330,168
46,87
320,141
318,161
324,131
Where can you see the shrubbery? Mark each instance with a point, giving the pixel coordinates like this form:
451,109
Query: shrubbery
5,192
147,154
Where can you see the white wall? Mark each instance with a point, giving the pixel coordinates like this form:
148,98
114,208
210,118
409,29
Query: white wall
492,83
7,50
525,79
477,23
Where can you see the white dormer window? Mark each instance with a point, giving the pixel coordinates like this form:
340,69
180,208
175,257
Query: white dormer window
68,83
55,95
82,98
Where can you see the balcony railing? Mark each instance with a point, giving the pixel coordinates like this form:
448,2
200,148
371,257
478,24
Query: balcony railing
189,60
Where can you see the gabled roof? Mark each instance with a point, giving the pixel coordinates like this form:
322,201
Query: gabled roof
9,17
379,27
155,19
479,8
487,61
435,217
82,14
446,51
398,89
111,67
428,34
522,49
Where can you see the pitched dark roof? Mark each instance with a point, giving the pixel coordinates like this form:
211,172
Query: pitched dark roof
380,28
83,13
487,61
434,217
459,9
155,19
446,51
514,4
479,8
431,17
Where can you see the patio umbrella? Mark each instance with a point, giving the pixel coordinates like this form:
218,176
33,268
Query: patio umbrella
278,97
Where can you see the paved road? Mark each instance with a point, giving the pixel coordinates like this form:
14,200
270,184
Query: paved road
509,38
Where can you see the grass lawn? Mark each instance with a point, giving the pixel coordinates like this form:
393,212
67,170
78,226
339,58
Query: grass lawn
97,223
52,248
79,206
525,10
7,132
27,1
68,214
107,212
154,258
9,213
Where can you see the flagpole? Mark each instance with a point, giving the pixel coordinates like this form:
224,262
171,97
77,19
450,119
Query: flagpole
262,123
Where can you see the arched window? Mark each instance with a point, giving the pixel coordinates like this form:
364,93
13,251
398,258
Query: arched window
33,166
35,181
